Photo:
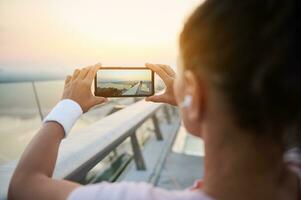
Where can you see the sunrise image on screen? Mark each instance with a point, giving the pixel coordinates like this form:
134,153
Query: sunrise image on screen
124,82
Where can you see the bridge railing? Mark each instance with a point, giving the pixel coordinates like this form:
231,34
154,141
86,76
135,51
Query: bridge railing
83,150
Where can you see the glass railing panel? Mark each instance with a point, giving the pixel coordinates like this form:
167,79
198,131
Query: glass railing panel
24,105
19,119
49,93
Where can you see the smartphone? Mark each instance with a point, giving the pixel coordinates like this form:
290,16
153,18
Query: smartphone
124,82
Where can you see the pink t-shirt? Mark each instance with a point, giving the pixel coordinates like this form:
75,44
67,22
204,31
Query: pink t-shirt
145,191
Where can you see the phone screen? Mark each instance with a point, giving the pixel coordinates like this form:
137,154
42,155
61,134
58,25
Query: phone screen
124,82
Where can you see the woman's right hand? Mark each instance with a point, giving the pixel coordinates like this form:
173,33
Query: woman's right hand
167,74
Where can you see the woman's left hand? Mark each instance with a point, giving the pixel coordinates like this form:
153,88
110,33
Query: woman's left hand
78,88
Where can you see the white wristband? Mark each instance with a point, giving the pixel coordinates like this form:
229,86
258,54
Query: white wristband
66,113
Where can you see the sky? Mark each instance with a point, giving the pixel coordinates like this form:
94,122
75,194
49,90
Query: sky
124,75
66,34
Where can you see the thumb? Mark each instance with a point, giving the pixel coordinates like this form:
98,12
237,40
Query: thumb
156,98
99,100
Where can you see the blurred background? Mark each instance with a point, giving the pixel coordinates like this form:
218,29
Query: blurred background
41,41
60,34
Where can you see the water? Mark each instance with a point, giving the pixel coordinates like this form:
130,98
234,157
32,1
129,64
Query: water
115,85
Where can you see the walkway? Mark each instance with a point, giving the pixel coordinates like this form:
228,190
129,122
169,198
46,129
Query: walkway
133,90
180,171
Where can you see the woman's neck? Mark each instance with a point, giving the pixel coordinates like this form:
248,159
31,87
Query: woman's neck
241,166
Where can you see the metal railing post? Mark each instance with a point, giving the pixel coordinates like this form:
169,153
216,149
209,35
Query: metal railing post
157,127
174,110
116,108
167,115
37,100
136,99
138,157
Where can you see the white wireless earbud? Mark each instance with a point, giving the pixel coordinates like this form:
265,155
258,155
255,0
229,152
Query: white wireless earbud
186,102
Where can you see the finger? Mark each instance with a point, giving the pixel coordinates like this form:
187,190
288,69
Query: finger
83,72
100,100
98,64
162,74
68,79
156,98
75,74
91,74
168,70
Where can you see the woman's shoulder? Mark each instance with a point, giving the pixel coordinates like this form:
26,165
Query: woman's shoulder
133,191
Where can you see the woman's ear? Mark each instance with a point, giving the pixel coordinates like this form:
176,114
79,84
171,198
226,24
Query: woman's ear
194,89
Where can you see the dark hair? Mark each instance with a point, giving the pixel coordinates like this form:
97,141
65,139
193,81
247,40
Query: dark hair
249,49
